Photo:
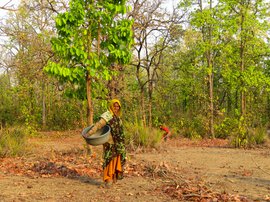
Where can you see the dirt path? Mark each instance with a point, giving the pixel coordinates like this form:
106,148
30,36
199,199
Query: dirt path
57,169
239,172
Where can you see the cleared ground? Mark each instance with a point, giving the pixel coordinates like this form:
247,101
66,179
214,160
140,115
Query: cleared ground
58,169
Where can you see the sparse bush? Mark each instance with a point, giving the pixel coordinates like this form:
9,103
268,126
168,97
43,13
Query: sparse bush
66,116
12,141
259,135
245,136
226,127
195,128
139,136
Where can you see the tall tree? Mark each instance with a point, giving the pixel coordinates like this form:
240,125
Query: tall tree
29,46
247,25
92,36
204,20
152,29
228,51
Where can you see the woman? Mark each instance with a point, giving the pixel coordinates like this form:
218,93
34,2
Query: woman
114,152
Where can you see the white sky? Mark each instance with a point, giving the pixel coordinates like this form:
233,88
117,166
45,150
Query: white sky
13,4
8,4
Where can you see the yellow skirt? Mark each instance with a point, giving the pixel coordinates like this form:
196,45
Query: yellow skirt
114,167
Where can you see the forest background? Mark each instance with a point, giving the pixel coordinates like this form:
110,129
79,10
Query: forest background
202,68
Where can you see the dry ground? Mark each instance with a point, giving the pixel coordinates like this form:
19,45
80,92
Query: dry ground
57,168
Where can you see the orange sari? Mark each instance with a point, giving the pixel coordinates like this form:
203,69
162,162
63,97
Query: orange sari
111,170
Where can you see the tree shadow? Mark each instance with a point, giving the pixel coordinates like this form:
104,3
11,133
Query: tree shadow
87,180
250,180
52,169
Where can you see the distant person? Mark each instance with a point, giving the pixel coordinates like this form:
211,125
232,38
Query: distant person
114,151
167,132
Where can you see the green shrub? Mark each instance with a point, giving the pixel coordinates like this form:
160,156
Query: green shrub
226,127
65,117
246,136
12,142
259,136
195,128
139,136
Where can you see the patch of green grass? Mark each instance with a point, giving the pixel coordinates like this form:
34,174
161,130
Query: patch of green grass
139,136
12,142
250,137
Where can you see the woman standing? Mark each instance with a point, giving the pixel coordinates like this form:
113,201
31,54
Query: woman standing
114,152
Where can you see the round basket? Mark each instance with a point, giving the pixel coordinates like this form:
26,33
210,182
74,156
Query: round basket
98,138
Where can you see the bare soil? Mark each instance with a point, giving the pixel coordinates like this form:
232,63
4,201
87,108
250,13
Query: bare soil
57,168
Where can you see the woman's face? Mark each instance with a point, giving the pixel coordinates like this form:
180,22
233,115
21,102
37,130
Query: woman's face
116,108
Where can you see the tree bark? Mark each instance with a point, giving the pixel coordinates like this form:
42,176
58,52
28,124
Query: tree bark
90,110
143,109
43,107
242,66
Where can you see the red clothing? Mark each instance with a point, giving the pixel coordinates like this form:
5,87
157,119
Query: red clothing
165,129
167,133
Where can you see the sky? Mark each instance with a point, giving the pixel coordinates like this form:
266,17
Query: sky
13,4
9,4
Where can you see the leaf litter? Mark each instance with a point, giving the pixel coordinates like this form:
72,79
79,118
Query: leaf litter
74,163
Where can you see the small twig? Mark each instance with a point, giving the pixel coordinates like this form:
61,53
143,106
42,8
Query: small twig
192,195
6,8
259,167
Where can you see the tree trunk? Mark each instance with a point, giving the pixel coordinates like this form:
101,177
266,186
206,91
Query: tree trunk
211,79
143,109
43,107
115,84
207,35
211,97
90,110
242,67
150,92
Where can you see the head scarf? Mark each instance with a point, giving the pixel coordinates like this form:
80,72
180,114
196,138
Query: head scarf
111,106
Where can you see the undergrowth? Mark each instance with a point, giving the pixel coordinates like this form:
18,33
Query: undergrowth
139,136
12,141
